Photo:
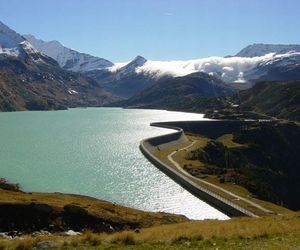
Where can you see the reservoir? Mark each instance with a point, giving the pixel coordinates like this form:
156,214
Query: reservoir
95,152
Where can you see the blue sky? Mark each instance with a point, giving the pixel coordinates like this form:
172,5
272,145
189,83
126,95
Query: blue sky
118,30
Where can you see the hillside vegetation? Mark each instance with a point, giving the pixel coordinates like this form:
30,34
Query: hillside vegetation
265,161
279,99
201,95
263,100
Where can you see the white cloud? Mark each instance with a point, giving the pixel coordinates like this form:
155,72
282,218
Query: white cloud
117,66
230,69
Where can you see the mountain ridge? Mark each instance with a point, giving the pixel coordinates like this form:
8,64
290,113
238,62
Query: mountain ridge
67,58
260,49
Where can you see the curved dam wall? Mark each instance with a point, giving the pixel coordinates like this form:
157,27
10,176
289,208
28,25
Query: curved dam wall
163,141
150,145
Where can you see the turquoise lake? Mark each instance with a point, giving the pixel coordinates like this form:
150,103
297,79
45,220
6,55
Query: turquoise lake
95,152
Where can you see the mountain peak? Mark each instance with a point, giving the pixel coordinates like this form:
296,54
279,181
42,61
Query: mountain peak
139,58
137,62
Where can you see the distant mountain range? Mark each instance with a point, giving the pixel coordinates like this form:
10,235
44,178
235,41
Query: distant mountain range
57,76
241,71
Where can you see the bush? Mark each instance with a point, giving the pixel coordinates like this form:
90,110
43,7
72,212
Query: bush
73,210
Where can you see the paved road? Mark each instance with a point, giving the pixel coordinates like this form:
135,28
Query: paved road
179,168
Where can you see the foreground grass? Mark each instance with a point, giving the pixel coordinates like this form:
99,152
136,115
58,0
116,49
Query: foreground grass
272,232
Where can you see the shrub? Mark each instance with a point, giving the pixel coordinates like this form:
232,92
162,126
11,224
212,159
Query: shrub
73,210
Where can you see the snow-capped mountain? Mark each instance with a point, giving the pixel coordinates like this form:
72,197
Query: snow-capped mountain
228,69
260,49
123,69
13,44
30,80
279,62
123,79
67,58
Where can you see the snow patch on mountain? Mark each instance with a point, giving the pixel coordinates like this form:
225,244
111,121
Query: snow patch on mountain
9,52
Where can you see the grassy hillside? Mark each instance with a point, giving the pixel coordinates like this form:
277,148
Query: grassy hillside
56,212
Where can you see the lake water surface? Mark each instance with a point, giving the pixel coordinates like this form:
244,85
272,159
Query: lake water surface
95,152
